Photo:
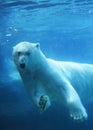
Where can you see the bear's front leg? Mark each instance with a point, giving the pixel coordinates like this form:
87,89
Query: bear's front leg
73,102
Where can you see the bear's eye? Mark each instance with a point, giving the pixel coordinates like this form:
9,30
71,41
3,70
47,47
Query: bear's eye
27,53
19,53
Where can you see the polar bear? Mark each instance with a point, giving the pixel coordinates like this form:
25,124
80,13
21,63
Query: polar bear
46,79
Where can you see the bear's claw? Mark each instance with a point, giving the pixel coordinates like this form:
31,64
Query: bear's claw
78,114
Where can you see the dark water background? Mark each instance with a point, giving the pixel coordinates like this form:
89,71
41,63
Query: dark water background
64,29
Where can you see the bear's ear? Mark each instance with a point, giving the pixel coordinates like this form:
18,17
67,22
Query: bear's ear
13,47
37,45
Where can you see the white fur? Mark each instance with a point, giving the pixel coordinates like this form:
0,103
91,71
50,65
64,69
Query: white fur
65,82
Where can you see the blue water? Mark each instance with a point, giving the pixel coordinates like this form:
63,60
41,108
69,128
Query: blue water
64,29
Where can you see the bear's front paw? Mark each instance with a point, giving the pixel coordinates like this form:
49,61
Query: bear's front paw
43,103
78,114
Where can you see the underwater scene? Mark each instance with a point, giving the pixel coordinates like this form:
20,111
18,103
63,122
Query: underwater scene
62,30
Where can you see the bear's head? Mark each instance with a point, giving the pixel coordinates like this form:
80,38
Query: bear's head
25,54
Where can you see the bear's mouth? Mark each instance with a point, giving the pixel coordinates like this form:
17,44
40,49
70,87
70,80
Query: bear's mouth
22,65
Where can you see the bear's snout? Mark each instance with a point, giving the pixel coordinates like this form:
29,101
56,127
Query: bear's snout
22,62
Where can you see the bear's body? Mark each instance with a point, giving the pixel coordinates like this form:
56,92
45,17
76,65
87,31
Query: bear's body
46,79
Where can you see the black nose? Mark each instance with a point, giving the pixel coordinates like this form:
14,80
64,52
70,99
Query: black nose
22,65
